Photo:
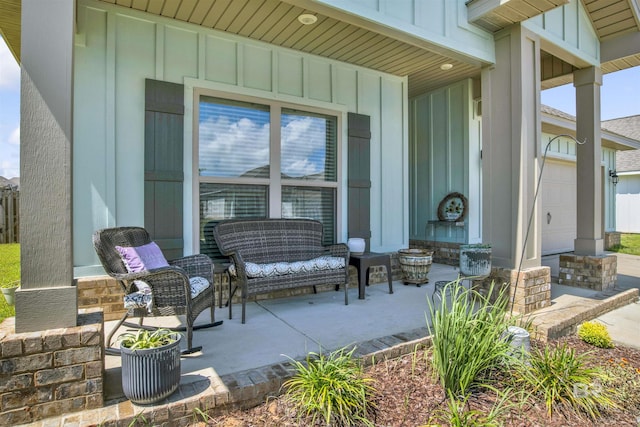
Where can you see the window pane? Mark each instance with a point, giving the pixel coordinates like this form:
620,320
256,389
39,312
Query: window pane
227,201
234,138
313,203
308,146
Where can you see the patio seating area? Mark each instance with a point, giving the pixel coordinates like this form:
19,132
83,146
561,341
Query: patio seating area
240,364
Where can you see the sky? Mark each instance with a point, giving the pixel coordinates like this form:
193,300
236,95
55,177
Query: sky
620,97
9,113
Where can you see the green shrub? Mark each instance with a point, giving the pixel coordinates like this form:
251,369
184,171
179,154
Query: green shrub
595,333
144,339
466,334
458,413
332,388
562,377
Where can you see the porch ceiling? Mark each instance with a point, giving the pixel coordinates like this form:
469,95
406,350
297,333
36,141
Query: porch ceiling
346,38
10,25
494,15
335,37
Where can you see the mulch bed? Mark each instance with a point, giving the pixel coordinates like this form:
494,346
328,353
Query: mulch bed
408,395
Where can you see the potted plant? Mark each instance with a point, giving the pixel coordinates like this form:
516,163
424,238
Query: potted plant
9,291
415,265
150,364
475,260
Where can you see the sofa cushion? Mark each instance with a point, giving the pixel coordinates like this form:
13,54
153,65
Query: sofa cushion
283,268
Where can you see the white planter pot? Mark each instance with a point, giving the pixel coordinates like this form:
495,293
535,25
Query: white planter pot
356,245
9,295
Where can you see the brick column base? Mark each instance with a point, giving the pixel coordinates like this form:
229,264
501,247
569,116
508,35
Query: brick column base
53,372
533,290
611,239
591,272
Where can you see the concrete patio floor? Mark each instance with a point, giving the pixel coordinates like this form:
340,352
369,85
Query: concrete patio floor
240,364
279,329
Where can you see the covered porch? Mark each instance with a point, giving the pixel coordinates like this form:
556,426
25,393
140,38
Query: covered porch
241,365
84,64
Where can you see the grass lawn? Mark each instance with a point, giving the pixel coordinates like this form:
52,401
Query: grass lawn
629,244
9,272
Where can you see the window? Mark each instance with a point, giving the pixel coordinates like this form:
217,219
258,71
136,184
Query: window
265,159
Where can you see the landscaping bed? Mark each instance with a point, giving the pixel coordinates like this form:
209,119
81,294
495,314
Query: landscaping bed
408,394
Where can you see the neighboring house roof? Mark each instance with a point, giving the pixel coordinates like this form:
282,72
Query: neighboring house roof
626,161
554,112
9,183
618,137
626,126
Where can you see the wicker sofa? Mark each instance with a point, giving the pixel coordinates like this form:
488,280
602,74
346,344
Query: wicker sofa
273,254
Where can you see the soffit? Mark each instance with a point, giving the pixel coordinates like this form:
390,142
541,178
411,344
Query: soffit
10,25
494,15
275,22
612,18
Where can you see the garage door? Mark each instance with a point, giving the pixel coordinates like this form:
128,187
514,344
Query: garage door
558,195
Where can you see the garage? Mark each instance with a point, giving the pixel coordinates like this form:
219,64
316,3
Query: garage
558,195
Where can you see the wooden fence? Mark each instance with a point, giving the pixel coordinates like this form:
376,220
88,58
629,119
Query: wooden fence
9,218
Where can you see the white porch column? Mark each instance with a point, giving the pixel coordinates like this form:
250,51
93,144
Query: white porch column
47,298
589,239
511,133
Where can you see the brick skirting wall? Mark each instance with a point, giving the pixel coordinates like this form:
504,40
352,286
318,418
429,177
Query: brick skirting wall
443,252
591,272
50,373
105,293
532,293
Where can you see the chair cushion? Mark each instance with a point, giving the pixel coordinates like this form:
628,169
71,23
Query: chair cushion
143,298
198,285
282,268
141,258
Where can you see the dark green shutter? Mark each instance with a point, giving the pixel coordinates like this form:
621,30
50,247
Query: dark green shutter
163,165
359,177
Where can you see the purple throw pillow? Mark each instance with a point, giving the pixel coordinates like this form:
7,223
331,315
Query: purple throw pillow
141,258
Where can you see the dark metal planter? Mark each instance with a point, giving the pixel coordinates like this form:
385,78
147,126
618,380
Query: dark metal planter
475,260
151,375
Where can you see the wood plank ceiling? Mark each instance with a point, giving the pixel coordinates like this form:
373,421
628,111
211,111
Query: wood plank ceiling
610,19
613,19
494,16
276,22
10,13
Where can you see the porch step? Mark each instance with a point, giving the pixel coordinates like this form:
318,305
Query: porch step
563,319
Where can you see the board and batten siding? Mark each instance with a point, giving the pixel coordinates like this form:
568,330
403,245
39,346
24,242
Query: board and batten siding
117,49
568,32
445,150
441,23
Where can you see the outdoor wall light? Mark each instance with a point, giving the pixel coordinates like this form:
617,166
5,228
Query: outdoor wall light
307,19
614,177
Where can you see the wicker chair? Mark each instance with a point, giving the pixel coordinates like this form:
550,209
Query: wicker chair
170,288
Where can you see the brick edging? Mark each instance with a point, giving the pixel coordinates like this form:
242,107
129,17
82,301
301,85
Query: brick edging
569,325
